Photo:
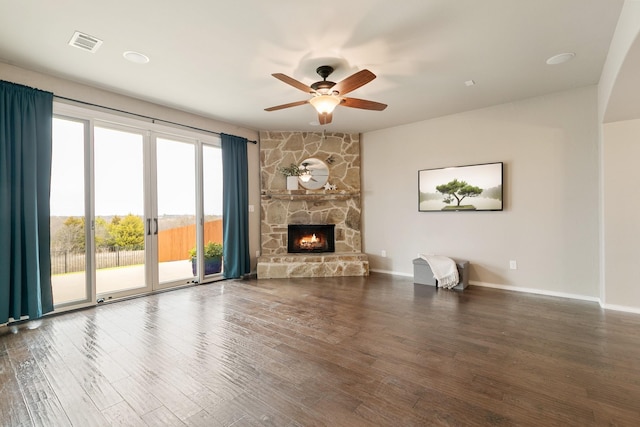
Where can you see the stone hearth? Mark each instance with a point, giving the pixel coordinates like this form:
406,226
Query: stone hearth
280,207
317,265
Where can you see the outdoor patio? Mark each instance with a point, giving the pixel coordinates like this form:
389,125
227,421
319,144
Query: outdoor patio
72,286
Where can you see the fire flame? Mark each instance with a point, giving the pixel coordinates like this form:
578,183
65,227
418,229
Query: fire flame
309,241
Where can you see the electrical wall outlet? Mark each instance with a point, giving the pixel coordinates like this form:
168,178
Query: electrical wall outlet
513,264
252,208
257,254
383,253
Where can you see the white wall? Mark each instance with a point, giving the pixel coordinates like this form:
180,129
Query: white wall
70,89
621,213
549,146
620,148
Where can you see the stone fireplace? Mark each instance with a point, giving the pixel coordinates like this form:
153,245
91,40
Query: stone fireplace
336,205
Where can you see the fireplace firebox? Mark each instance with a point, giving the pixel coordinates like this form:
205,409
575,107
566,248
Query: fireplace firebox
310,238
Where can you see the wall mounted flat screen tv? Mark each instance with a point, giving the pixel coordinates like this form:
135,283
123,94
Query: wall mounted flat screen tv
461,188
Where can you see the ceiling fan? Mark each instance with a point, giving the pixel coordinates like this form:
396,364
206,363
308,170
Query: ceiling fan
326,95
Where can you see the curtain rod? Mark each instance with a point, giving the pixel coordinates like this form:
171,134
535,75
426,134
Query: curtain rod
153,119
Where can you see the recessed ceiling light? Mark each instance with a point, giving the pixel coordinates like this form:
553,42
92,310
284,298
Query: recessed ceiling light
469,82
136,57
560,58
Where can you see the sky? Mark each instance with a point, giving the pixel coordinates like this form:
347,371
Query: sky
119,173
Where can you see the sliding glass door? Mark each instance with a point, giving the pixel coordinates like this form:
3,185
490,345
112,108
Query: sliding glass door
69,212
176,210
131,211
121,225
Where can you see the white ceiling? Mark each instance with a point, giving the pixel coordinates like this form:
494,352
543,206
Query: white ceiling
215,58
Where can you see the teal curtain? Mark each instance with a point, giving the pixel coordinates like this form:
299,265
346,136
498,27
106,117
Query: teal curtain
25,179
235,207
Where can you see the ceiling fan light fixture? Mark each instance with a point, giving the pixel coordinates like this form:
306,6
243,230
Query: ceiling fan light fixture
326,95
324,104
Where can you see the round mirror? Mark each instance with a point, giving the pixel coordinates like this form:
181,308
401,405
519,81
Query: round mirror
315,174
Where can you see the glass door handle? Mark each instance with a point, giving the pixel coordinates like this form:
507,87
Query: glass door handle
148,226
156,221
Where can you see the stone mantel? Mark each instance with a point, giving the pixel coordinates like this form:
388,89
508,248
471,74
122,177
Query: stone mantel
309,195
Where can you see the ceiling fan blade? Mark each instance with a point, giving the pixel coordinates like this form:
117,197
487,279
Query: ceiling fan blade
293,82
353,82
291,104
363,104
325,118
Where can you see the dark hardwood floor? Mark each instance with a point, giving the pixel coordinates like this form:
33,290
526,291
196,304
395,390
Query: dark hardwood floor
315,352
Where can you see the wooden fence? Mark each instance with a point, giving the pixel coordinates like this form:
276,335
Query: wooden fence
174,243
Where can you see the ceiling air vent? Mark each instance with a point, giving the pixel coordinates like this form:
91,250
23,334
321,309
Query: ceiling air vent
85,42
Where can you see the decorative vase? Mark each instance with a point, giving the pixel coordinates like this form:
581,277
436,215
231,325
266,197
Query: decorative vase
292,183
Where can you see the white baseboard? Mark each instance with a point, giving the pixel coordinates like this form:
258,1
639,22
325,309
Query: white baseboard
615,307
506,287
560,295
536,291
393,273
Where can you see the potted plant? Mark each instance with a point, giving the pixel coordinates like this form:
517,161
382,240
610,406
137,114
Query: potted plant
292,172
212,258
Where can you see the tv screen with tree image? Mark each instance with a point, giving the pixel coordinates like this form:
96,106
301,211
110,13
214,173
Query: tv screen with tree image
461,188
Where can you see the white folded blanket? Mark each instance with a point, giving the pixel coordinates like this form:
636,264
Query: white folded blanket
444,270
